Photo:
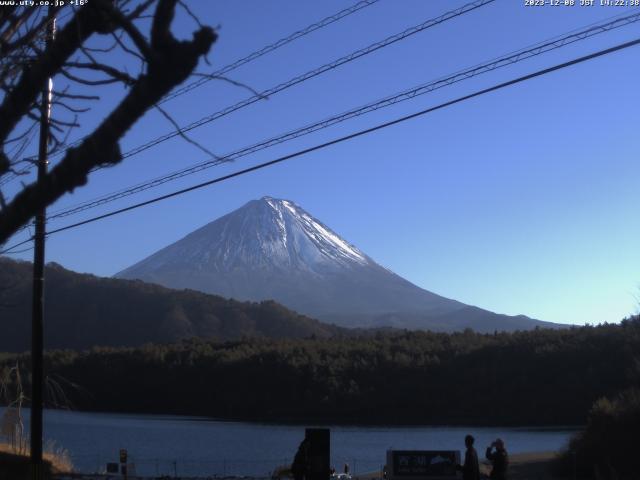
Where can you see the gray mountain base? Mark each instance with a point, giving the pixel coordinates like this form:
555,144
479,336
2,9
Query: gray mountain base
273,249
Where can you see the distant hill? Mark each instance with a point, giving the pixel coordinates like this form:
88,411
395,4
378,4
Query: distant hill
477,319
273,249
84,311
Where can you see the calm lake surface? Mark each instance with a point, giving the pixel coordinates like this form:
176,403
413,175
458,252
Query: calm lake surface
165,445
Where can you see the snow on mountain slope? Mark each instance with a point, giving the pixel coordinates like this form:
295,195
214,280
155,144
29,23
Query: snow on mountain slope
274,249
263,233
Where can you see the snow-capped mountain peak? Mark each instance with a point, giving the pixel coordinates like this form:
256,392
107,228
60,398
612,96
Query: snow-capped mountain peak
324,239
265,233
273,249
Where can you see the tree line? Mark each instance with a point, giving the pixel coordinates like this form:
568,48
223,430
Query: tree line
539,377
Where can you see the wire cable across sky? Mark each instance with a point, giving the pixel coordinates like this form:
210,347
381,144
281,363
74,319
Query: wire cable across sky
303,77
351,136
342,139
270,48
231,66
290,83
312,74
496,63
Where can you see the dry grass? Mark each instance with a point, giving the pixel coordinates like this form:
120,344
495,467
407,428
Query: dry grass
58,457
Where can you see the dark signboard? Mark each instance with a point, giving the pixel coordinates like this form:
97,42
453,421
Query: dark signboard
424,463
318,453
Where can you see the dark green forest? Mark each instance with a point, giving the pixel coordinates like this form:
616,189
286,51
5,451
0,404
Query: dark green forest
540,377
84,310
607,448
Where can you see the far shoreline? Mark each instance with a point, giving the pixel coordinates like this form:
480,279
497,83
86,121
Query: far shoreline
310,421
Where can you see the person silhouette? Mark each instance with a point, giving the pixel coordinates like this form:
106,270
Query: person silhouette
499,460
471,468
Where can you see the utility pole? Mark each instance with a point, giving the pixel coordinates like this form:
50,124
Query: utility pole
37,314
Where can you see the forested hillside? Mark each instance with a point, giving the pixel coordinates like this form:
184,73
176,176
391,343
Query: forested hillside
84,311
540,377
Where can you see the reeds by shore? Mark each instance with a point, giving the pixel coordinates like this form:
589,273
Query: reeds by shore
57,456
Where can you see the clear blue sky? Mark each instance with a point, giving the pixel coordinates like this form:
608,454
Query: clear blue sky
521,201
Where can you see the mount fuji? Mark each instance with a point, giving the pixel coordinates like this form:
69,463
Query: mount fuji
274,249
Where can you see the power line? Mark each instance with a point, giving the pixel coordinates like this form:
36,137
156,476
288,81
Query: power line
238,63
499,62
300,78
21,251
304,77
9,250
270,48
356,134
312,74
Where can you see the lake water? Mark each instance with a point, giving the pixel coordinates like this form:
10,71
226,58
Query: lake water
190,446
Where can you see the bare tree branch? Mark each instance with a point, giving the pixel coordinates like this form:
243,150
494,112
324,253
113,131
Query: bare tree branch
86,81
16,105
116,74
183,135
169,63
140,9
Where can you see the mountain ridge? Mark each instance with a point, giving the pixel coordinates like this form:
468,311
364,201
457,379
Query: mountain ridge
83,311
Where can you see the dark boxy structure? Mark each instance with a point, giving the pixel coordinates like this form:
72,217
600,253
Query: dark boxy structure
319,453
